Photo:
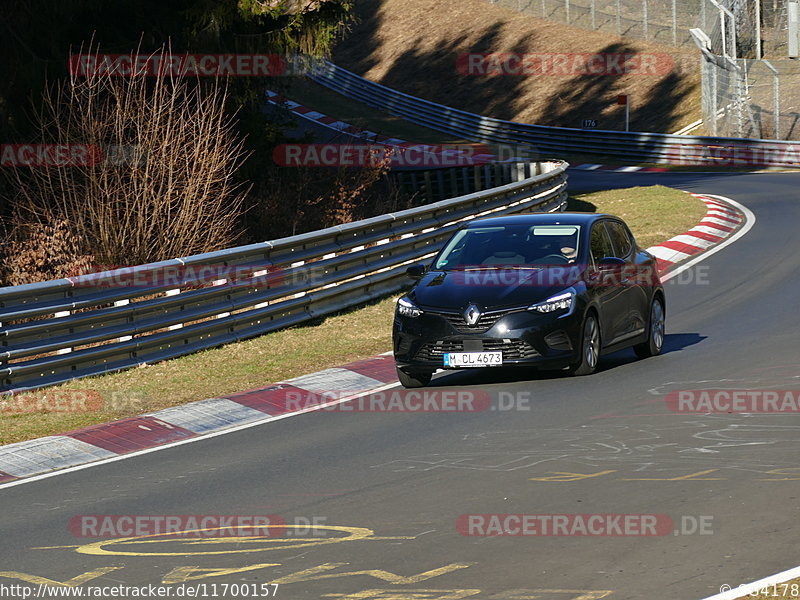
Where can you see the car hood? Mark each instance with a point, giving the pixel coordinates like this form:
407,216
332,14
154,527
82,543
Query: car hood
492,288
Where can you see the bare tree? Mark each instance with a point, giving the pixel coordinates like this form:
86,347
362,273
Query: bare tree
160,179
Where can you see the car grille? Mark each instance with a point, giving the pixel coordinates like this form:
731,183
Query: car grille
486,321
511,349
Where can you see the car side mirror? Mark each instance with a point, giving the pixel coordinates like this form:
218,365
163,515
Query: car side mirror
415,271
609,263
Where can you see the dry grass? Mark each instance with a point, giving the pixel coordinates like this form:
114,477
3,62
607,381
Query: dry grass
255,363
412,45
360,115
654,214
786,590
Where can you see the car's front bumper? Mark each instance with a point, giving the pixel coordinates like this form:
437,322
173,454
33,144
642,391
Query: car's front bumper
525,338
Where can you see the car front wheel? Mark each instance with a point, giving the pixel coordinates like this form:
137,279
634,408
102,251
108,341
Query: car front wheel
589,347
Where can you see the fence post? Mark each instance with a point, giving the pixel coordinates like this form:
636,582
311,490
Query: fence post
713,68
619,16
703,24
675,22
566,8
594,17
644,17
776,98
777,107
758,30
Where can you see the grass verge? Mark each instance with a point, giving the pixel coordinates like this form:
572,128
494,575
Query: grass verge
653,213
788,589
355,113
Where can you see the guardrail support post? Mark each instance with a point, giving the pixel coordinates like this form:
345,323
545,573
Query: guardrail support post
440,184
173,293
428,186
58,315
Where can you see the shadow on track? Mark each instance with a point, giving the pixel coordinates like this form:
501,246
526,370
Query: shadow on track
673,342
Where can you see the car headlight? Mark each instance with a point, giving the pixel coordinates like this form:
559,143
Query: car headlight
563,301
407,308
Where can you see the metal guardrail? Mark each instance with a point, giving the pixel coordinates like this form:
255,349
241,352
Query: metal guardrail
59,330
640,147
442,183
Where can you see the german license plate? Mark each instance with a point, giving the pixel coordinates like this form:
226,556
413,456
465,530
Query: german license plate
473,359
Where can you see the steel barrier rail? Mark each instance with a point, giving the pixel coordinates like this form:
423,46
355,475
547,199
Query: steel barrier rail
59,330
655,147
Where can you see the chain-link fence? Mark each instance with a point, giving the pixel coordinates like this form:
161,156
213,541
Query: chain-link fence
750,89
666,21
669,21
745,95
751,98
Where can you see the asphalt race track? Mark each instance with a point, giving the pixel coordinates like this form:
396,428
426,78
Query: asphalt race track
386,489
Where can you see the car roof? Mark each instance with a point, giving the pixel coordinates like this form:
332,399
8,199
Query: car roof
561,218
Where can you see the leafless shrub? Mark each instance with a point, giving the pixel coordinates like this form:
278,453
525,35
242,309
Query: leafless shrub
40,251
171,191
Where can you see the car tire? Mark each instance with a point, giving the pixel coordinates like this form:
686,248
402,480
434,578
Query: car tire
413,379
589,346
655,331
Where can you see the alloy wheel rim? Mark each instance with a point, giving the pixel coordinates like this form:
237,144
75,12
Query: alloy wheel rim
657,318
591,342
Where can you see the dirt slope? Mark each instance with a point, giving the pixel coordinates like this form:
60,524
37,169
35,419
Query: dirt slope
414,45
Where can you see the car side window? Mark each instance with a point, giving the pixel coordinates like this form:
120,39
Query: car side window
599,242
620,238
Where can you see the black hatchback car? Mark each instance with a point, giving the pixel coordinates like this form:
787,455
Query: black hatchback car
551,291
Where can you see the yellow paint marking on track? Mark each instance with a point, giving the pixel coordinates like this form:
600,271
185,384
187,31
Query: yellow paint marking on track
548,594
406,595
75,581
183,574
567,476
782,472
101,548
311,574
694,476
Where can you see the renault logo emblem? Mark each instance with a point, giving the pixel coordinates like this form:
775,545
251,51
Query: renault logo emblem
472,315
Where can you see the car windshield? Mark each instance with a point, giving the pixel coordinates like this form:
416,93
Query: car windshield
510,246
